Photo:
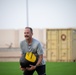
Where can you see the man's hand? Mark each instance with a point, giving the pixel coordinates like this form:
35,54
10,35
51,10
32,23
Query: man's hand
31,67
23,69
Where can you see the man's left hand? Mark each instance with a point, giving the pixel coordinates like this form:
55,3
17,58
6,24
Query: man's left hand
31,67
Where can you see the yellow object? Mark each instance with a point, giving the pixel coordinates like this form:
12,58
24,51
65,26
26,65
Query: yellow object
30,57
60,45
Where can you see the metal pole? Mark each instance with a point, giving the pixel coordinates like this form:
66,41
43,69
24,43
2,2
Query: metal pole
27,22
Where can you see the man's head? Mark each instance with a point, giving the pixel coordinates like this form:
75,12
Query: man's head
28,32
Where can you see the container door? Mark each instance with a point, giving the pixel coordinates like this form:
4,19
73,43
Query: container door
58,44
64,45
52,45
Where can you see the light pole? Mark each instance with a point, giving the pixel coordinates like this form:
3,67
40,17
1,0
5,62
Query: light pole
27,22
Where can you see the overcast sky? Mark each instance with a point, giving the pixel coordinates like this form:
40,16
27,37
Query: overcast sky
41,14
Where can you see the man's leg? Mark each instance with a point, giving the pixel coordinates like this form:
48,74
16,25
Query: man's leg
41,70
28,72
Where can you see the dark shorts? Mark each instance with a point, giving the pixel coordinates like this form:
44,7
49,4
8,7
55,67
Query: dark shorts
40,70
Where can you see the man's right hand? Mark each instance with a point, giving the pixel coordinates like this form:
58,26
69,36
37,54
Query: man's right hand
23,69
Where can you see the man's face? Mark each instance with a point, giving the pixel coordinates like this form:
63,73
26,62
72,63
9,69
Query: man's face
27,34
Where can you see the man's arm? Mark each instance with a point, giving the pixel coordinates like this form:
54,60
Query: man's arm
39,60
38,63
23,69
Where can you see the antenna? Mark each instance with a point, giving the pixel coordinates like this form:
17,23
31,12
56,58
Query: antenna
27,22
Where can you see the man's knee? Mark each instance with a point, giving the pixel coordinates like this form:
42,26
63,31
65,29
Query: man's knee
43,74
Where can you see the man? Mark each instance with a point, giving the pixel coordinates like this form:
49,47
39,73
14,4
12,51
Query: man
32,45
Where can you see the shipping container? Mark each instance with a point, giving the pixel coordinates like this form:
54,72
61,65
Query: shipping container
60,45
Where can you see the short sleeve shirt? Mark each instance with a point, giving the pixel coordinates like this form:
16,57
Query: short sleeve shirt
35,47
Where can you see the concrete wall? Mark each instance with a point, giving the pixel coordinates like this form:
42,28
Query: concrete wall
10,54
12,38
8,38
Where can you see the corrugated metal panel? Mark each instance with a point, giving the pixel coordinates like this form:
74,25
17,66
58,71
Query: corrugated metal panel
64,44
58,44
52,46
74,45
